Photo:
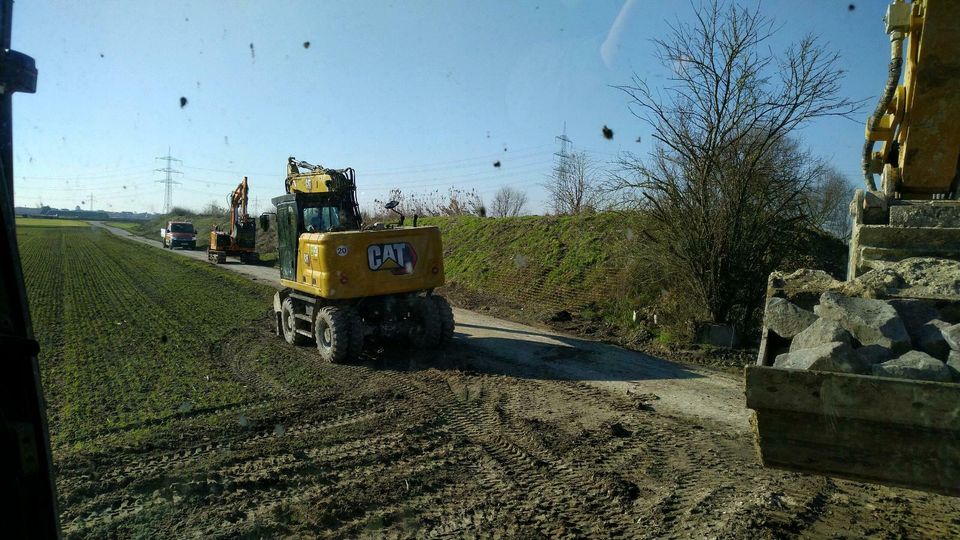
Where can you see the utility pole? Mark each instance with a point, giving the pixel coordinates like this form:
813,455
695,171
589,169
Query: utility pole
168,180
91,203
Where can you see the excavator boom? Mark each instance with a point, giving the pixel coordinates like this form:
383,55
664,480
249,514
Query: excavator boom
238,206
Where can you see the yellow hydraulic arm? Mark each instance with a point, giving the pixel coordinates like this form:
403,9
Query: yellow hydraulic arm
918,121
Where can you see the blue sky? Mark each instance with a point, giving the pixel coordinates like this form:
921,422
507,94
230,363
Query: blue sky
417,95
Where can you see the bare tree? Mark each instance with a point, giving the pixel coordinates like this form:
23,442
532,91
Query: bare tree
726,187
455,202
830,201
575,185
508,202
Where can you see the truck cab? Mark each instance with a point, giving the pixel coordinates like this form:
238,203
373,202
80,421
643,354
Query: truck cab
180,234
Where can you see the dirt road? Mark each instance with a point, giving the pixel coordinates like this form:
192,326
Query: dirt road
534,352
514,431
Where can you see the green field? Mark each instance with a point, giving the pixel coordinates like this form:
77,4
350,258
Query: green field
49,222
131,336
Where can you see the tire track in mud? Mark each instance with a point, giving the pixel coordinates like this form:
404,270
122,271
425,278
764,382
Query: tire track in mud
517,468
419,468
118,503
540,483
232,482
153,464
437,453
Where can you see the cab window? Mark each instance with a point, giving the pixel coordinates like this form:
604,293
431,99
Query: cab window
321,218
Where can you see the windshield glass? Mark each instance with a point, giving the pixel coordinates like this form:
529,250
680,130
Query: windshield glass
640,258
321,218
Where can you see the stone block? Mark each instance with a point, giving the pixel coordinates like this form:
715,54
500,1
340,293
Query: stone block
874,354
872,322
952,336
936,215
914,365
835,356
818,333
786,318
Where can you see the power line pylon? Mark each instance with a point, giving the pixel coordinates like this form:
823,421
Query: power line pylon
168,180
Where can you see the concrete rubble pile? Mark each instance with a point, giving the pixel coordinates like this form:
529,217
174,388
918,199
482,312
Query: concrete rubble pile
899,320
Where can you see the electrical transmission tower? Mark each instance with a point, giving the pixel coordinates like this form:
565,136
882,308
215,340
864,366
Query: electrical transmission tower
563,156
168,180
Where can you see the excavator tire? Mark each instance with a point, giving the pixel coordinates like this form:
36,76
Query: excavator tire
445,312
288,323
425,327
332,329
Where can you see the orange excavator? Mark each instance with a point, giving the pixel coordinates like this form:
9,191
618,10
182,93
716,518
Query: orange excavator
241,240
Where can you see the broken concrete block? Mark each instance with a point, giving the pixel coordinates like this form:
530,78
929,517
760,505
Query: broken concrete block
836,356
925,214
953,364
819,332
923,323
914,365
872,322
785,318
930,340
918,277
952,336
874,354
914,313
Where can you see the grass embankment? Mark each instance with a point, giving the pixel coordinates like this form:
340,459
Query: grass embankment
581,273
131,337
572,269
132,226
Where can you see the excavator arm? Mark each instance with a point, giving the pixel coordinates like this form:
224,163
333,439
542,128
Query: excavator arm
917,121
238,206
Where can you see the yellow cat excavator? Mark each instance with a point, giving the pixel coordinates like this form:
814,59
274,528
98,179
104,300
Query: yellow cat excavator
344,280
868,415
241,240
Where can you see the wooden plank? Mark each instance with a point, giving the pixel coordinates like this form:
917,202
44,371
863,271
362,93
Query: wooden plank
916,404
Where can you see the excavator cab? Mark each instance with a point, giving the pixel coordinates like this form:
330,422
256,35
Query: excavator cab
318,200
300,213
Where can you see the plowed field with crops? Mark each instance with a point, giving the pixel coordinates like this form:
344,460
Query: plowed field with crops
174,412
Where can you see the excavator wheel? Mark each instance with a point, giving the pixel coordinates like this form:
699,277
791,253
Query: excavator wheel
288,323
332,330
445,312
425,327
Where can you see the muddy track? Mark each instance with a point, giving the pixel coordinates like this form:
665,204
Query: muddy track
400,447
